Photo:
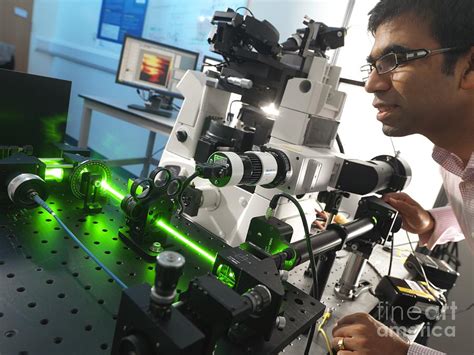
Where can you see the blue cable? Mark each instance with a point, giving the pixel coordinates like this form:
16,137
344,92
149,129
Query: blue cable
43,204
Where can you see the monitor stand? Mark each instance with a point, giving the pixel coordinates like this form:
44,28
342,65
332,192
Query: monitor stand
153,106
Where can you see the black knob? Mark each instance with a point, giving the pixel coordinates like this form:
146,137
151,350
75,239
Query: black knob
169,268
182,136
259,296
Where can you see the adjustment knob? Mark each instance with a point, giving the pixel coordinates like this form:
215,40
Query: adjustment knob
260,297
181,136
169,268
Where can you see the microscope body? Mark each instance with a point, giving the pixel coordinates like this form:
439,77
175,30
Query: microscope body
306,104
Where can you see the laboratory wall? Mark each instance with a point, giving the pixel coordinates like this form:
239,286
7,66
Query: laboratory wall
64,44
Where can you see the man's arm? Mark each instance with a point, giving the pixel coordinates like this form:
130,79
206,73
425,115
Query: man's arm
437,226
446,228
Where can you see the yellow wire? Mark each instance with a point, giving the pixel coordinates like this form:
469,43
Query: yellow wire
326,316
326,339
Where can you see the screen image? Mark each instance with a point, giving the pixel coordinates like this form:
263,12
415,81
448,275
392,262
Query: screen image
155,69
33,111
153,66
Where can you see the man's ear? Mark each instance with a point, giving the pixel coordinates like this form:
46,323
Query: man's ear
467,79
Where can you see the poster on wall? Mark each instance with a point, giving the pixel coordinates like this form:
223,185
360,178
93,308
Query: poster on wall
120,17
180,23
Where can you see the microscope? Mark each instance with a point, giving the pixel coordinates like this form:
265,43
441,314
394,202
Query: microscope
265,153
251,180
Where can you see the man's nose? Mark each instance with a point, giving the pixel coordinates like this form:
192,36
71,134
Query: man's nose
376,82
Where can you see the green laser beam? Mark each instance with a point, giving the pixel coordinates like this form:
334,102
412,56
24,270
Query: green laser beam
163,225
226,275
54,174
186,241
111,190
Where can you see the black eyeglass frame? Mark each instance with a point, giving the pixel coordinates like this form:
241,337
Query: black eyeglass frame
400,58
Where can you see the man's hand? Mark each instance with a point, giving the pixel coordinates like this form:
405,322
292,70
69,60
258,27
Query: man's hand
363,335
415,219
321,219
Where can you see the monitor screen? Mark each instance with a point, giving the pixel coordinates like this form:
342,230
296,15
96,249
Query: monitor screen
33,111
153,66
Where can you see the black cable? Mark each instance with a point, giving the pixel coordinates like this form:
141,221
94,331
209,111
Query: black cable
374,269
371,290
232,102
310,339
246,8
315,289
391,256
230,115
273,203
339,144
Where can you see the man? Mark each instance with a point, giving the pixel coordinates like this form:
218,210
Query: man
421,72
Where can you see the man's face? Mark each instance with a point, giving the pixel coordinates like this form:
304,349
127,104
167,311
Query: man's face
417,97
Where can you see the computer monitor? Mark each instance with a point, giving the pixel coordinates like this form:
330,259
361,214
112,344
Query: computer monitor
209,63
33,112
155,67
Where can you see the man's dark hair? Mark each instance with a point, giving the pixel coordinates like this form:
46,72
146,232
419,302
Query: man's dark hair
451,22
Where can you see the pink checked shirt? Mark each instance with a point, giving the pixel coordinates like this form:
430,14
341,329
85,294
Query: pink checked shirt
456,221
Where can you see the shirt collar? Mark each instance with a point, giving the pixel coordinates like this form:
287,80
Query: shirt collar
452,163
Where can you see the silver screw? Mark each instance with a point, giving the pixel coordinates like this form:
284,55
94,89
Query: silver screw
156,247
280,323
284,275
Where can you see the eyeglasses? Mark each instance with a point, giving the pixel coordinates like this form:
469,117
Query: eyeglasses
392,61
